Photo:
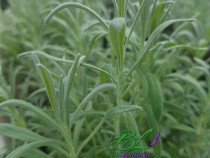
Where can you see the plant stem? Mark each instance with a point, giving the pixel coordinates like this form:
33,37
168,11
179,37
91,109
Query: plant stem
121,8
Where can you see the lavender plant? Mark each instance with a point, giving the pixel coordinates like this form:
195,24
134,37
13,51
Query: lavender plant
139,81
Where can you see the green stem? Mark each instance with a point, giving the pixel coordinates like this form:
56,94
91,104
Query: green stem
119,89
68,140
121,8
115,6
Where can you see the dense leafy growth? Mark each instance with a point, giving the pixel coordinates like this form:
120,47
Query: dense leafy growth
73,75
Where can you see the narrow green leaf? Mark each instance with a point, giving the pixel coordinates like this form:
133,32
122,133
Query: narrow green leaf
121,109
155,96
35,154
20,133
121,8
109,114
196,85
78,128
128,88
67,88
149,113
103,78
115,6
202,63
27,147
182,111
186,47
152,38
41,53
117,37
182,127
49,85
171,4
125,8
135,22
75,5
89,113
64,61
70,78
206,72
153,124
77,132
36,92
60,97
176,86
36,61
29,106
98,69
127,122
92,94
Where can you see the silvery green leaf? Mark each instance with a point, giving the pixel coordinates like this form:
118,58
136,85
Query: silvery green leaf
117,37
155,97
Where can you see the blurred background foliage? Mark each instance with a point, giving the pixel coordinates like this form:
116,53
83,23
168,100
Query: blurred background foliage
181,64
